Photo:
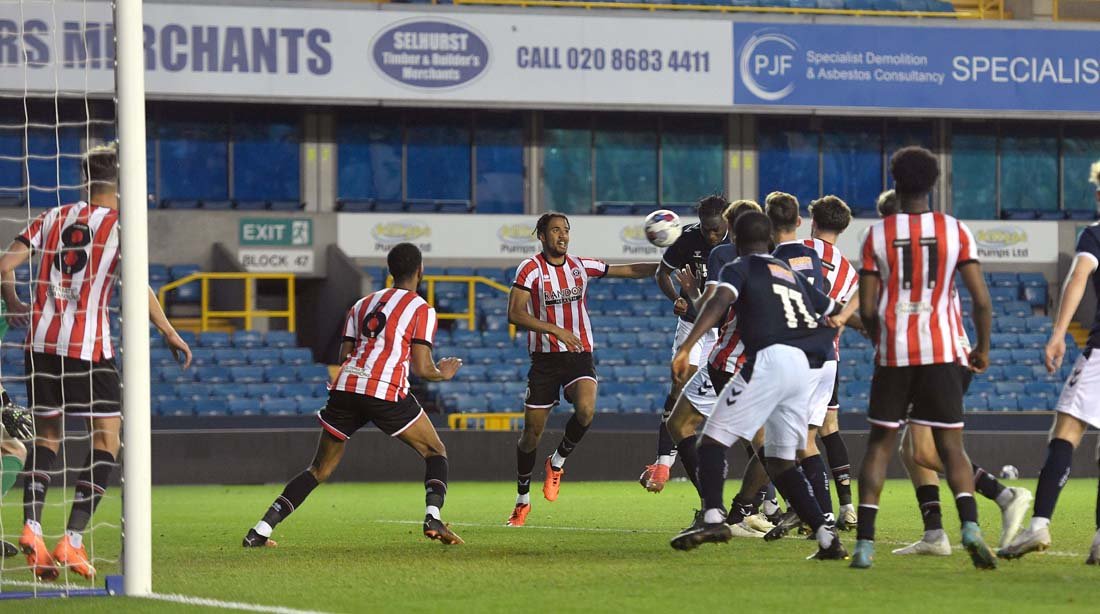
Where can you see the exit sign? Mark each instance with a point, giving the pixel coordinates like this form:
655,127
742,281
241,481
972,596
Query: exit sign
284,232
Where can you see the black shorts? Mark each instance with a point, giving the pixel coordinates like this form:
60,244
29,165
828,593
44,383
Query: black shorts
553,371
59,384
347,412
929,395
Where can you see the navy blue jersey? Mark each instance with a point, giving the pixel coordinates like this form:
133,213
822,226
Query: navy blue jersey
719,257
690,250
782,307
1088,244
805,260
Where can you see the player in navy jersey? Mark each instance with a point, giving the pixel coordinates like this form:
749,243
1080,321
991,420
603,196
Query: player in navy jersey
1078,406
688,254
787,343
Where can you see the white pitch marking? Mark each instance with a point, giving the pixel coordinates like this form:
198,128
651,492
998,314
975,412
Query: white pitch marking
226,605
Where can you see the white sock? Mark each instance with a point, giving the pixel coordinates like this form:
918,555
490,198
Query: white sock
1038,523
523,499
432,511
666,459
933,536
848,507
1006,497
35,526
75,539
714,516
824,537
557,460
263,529
770,507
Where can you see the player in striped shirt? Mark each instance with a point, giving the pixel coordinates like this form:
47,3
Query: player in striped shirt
387,335
69,352
906,298
548,300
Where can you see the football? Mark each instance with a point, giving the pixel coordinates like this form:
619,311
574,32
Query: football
662,227
1009,472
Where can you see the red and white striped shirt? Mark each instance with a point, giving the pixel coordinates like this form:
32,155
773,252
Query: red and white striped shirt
839,273
74,280
383,326
558,294
916,257
729,352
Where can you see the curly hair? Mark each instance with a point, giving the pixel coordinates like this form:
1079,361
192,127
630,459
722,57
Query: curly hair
915,170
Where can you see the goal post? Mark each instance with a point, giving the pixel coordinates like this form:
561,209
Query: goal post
137,533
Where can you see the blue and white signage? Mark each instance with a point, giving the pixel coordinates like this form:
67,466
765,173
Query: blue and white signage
923,67
430,53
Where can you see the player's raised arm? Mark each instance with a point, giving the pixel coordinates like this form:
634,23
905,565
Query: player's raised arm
16,255
637,270
1073,290
180,350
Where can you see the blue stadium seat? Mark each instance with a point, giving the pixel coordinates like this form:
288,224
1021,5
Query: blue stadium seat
630,373
188,293
1003,280
280,375
1003,403
157,273
1026,356
247,375
311,405
473,373
212,339
1005,341
1004,294
1033,402
157,356
259,391
980,387
200,356
1021,214
244,407
485,356
175,407
296,356
248,339
169,203
976,403
1028,279
1039,324
263,357
1036,296
1017,372
279,407
280,339
286,205
161,390
1009,324
314,373
635,403
175,375
230,357
1007,388
1019,309
656,373
212,407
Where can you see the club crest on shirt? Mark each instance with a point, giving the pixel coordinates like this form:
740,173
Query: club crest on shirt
576,273
781,273
801,263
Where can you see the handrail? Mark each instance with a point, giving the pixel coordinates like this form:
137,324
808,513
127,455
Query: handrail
488,422
249,312
995,8
470,315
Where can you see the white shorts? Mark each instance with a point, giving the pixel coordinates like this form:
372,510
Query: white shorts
777,398
1081,395
701,351
700,392
823,393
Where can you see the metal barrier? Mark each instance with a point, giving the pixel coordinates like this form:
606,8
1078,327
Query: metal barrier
981,9
470,315
486,422
249,312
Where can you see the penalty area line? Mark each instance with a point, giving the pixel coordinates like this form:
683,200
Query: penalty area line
225,605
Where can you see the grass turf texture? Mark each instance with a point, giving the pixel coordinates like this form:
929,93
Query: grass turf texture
601,546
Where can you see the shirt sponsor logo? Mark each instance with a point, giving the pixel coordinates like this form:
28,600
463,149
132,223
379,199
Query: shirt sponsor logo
781,273
912,309
801,263
350,370
558,297
60,292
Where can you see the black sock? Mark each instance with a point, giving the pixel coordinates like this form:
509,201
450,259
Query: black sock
712,474
688,453
794,487
91,483
968,508
1098,505
574,432
525,466
865,522
986,484
665,445
761,496
1053,477
839,466
435,480
36,481
814,469
740,510
928,500
294,493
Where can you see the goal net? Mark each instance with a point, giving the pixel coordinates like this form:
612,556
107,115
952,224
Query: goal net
62,350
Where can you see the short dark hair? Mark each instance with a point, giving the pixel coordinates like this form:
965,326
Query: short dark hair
782,210
404,260
100,168
753,228
831,214
887,203
915,170
738,208
544,221
712,206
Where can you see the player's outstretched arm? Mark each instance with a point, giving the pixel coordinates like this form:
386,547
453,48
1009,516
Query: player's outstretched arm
180,350
869,284
709,317
518,301
637,270
424,365
1073,290
982,313
17,254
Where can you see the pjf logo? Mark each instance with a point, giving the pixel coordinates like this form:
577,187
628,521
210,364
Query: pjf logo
396,232
517,239
635,242
1001,237
766,66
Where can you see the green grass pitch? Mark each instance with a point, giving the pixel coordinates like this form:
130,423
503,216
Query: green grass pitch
600,547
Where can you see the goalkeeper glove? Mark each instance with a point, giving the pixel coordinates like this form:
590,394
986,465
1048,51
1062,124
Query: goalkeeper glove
17,421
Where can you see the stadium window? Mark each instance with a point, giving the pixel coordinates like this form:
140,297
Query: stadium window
11,153
567,164
368,155
692,151
974,171
1080,148
438,157
788,158
49,176
851,162
193,157
498,141
906,133
626,160
1029,168
266,158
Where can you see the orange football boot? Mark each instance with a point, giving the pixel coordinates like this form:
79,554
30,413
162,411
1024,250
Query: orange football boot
519,515
74,558
38,557
552,484
657,478
648,473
